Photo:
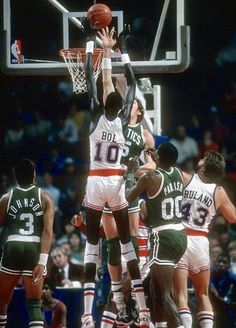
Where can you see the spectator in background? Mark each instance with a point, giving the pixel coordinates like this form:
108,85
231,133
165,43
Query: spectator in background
15,134
47,184
208,143
68,183
77,248
194,129
54,310
187,147
220,132
215,251
51,160
63,272
39,129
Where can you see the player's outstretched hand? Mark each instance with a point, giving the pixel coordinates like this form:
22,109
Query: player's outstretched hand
153,153
107,37
87,29
77,220
133,164
122,39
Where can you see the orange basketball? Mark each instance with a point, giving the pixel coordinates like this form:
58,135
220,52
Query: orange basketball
99,16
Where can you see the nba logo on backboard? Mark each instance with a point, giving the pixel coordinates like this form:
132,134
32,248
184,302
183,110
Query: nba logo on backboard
16,55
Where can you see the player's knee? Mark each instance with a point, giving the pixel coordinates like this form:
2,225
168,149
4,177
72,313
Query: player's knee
33,307
128,252
91,253
90,272
135,245
114,252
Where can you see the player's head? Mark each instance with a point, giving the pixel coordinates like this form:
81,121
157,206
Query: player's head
25,172
113,103
137,111
212,165
167,154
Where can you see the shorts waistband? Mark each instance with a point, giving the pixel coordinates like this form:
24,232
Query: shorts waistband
29,239
105,172
191,232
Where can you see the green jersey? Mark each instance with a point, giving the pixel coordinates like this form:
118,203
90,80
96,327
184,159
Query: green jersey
164,208
24,220
134,142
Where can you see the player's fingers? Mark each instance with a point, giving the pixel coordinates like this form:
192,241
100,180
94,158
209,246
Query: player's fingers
36,280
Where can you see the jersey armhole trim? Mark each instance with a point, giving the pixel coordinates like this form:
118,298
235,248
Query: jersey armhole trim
214,198
160,188
40,196
189,181
180,173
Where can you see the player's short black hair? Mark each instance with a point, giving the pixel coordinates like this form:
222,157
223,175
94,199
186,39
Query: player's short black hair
167,153
113,102
214,165
24,172
141,109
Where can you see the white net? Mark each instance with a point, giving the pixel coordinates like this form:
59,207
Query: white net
74,59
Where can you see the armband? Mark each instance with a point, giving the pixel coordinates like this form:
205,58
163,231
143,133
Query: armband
106,63
43,258
89,46
125,58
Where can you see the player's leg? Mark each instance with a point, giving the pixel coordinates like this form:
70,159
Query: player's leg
33,302
180,294
133,226
127,250
7,284
115,270
165,308
201,282
93,218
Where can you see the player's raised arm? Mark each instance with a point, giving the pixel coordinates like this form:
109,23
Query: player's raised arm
129,74
89,73
108,42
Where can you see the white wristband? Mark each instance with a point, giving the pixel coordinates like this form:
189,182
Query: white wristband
125,58
89,46
43,258
106,63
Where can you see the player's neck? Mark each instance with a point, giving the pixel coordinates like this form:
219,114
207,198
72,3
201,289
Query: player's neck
132,121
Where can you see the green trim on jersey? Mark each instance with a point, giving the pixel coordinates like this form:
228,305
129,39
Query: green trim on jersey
164,208
134,143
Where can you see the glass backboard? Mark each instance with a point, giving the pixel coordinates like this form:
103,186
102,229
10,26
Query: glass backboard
33,32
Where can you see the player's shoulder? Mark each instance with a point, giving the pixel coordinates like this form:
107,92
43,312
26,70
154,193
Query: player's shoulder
46,196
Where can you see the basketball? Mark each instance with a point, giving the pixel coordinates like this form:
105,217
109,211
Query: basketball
99,16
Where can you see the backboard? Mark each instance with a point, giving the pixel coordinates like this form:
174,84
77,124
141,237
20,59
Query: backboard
32,32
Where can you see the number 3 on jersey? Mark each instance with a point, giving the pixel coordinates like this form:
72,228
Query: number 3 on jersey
28,218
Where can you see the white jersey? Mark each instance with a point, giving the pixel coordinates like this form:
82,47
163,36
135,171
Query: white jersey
198,204
106,144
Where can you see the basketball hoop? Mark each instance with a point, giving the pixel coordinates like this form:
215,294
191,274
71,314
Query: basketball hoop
74,59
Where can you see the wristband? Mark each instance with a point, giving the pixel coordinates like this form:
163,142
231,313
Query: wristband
125,58
43,258
106,63
130,176
90,46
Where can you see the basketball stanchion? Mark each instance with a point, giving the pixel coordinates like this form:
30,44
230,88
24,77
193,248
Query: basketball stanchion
74,59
